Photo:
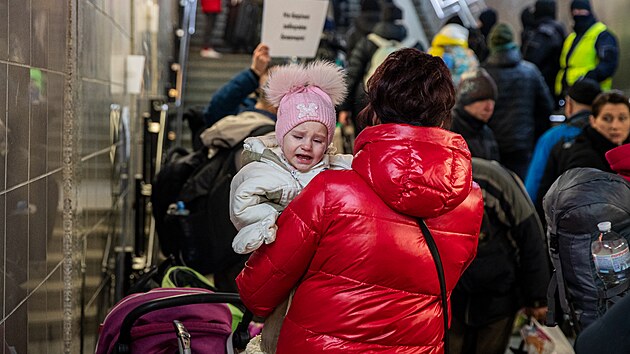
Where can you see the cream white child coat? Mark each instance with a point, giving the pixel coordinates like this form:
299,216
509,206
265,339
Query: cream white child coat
264,187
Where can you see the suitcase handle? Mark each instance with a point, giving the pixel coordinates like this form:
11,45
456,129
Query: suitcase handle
123,345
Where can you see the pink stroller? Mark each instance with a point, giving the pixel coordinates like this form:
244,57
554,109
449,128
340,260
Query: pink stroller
168,320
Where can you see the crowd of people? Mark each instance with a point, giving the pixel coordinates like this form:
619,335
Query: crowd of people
454,145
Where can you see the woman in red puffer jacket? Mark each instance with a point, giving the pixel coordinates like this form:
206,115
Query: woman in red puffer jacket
350,242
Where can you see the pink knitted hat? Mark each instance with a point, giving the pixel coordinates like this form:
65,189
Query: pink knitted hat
306,93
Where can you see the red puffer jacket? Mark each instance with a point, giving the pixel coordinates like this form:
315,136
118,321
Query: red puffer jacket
366,281
211,6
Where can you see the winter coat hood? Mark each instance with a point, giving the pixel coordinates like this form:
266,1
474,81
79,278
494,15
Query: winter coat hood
619,160
507,58
418,171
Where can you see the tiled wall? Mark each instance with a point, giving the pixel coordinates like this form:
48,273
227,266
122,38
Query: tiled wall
61,192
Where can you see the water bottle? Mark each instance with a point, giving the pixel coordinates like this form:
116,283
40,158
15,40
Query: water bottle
611,256
177,209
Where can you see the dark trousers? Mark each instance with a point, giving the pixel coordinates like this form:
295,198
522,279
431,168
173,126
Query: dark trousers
492,338
609,334
211,18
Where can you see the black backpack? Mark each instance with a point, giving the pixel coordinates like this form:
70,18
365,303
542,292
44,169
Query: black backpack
577,201
190,201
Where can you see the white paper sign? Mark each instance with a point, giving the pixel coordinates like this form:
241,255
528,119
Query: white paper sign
135,73
293,27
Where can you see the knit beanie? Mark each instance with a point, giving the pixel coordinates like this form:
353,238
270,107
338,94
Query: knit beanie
475,86
455,33
619,160
501,36
370,5
306,93
451,34
580,4
584,91
545,9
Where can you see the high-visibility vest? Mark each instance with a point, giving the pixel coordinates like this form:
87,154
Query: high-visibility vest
582,60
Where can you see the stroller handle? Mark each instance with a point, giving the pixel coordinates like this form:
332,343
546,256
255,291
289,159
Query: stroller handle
123,345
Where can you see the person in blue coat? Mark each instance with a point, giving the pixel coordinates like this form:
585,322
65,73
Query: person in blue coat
577,110
242,93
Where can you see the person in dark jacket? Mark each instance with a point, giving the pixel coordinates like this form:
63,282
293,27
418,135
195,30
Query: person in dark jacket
476,95
591,50
544,44
577,108
478,42
610,334
389,28
510,271
487,19
236,96
363,24
523,106
609,127
528,23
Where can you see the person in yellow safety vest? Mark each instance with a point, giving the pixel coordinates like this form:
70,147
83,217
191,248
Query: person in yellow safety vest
591,51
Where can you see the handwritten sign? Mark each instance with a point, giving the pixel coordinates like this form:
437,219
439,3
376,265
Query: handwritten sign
293,27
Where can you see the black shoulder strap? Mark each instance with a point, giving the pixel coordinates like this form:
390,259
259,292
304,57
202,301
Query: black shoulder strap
440,272
262,130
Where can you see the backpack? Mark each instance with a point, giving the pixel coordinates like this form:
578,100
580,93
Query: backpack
385,47
190,202
577,201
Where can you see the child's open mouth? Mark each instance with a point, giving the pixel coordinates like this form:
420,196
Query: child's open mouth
304,158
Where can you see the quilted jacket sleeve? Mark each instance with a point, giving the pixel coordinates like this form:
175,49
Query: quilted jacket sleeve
249,195
274,269
252,211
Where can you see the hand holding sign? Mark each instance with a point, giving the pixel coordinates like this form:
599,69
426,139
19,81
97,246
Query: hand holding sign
293,27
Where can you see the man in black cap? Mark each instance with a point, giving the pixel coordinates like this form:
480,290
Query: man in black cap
591,51
579,98
476,95
544,43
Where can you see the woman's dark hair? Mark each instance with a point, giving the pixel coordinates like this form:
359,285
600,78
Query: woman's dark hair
612,97
410,87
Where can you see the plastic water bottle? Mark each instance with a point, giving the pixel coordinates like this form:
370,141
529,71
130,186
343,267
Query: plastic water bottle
611,256
177,209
